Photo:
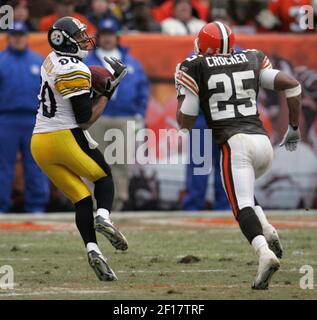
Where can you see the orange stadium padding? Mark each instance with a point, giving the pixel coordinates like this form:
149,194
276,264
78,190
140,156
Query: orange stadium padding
159,53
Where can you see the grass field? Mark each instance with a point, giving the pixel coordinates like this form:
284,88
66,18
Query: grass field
50,262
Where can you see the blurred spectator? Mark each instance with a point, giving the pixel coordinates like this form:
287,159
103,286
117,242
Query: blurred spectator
243,15
19,85
183,21
285,15
155,3
165,10
100,10
63,8
142,20
40,8
21,13
83,6
122,10
218,11
144,191
308,78
252,16
128,103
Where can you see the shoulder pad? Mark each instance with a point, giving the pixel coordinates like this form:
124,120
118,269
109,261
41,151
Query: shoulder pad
66,65
187,73
72,77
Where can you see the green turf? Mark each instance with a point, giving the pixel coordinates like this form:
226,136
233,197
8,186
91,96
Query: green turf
53,265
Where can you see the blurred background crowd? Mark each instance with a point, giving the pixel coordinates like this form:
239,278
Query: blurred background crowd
149,99
175,17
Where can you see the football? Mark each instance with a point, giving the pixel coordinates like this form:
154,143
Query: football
99,76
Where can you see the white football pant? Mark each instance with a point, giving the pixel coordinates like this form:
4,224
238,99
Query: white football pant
244,158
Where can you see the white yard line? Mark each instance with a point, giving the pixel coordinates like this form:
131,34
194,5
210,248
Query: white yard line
15,259
55,292
66,291
172,271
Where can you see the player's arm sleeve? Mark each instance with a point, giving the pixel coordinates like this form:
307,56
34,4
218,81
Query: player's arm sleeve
70,82
267,78
187,109
187,75
266,73
190,105
82,107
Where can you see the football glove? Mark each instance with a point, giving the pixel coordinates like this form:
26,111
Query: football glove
120,71
291,138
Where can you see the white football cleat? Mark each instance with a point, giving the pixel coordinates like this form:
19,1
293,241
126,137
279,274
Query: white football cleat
106,228
273,240
268,265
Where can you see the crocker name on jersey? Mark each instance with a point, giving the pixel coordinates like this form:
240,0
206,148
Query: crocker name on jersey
62,77
227,87
216,61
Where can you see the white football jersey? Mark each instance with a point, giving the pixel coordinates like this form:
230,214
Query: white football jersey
61,78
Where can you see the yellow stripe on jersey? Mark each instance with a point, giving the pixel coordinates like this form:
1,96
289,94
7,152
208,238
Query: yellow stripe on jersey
77,84
71,74
72,82
74,90
66,91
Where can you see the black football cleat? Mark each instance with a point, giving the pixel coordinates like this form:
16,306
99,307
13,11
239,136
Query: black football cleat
101,267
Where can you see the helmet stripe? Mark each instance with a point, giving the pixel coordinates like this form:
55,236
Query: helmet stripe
221,36
228,37
224,34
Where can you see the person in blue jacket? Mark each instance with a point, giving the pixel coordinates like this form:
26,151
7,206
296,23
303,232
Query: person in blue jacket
196,185
128,103
19,86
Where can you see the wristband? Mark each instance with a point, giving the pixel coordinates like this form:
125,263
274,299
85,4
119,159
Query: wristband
293,92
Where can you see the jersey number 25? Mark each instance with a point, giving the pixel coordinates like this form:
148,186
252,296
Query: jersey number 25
247,108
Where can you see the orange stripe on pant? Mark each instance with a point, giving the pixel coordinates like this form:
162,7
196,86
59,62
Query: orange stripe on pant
226,177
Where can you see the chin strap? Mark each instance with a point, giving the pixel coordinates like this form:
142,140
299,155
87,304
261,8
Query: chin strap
75,55
196,47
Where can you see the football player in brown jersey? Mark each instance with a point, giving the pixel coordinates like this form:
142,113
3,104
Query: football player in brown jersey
224,84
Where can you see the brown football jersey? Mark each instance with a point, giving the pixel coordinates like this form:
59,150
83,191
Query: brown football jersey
227,87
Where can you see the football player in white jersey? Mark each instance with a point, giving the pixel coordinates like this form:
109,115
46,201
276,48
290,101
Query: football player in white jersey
60,145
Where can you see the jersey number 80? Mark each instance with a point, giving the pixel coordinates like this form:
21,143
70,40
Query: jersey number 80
46,92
